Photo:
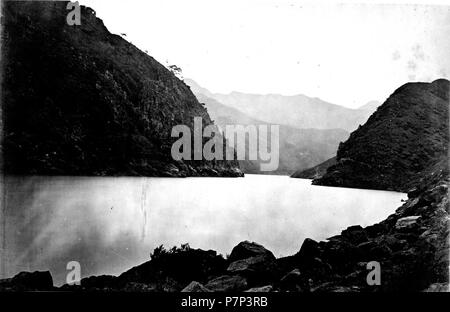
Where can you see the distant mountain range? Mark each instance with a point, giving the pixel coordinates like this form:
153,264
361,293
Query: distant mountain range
297,111
396,147
299,148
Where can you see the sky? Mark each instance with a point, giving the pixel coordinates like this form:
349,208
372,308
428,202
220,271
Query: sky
345,53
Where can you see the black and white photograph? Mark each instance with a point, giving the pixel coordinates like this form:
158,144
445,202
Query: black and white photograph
211,147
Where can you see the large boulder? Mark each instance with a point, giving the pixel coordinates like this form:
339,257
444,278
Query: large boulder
407,223
173,269
309,250
355,234
248,249
30,281
259,270
258,264
254,262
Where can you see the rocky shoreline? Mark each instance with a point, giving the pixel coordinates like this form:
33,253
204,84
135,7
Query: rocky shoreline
411,246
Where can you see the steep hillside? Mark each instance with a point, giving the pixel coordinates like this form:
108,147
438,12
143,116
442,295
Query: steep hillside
299,148
406,135
78,100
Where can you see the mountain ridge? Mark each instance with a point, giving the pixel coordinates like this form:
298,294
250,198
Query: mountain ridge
299,148
88,102
399,141
299,111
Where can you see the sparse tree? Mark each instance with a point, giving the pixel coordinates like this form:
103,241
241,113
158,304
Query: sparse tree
177,71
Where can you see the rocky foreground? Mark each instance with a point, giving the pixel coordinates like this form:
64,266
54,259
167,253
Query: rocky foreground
411,245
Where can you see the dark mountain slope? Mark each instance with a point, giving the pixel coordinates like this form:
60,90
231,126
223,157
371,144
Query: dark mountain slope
78,100
406,135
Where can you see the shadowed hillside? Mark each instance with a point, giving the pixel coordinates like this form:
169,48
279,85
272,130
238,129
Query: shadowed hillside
406,135
78,100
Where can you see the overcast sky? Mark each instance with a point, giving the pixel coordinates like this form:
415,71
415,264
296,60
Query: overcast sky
347,54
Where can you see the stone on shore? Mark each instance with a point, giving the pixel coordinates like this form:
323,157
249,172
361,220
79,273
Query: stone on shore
407,222
248,249
267,288
195,287
227,283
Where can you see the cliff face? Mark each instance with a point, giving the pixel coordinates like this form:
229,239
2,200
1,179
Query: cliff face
401,140
78,100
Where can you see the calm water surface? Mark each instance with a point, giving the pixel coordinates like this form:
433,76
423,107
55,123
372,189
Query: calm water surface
112,224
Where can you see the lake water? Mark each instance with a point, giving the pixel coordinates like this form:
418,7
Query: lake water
112,224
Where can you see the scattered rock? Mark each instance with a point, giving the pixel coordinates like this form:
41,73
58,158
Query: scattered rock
99,282
407,223
268,288
317,269
379,252
355,234
258,264
294,281
414,192
331,287
438,287
195,287
227,283
138,287
366,247
375,230
394,243
340,254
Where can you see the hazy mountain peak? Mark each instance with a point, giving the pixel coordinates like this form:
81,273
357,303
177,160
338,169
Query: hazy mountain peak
299,111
